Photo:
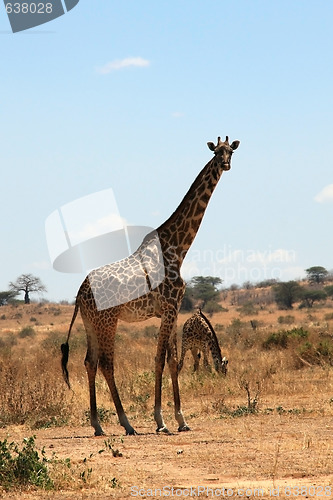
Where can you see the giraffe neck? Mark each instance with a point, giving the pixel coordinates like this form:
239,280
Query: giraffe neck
214,343
177,233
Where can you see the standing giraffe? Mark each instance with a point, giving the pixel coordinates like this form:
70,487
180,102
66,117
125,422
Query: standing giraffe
159,298
199,335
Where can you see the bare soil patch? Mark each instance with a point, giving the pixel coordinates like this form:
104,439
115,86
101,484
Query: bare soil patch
283,449
252,454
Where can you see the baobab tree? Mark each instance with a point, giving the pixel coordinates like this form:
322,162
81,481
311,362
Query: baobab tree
27,283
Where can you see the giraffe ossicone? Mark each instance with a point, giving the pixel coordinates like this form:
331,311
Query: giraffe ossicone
165,248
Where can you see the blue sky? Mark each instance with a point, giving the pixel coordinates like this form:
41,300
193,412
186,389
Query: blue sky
125,96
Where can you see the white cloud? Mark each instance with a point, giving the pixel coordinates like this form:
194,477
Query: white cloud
177,114
109,223
325,195
117,64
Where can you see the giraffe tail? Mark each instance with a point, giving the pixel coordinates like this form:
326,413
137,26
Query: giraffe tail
64,361
65,347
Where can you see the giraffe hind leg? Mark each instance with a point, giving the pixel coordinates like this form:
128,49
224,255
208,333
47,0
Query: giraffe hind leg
107,367
196,358
91,362
182,357
205,360
91,368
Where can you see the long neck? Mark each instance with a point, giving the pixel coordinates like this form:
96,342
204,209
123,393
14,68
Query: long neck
177,233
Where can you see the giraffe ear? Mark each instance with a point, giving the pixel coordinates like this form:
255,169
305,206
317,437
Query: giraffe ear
235,144
211,146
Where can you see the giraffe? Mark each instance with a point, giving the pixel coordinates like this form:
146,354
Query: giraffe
199,335
153,298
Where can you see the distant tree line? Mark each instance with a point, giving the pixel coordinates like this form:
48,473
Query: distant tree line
289,292
205,292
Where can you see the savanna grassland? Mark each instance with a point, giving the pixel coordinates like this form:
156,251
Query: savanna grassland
267,424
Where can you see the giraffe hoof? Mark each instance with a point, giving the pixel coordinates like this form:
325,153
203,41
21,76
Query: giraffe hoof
99,433
131,432
184,428
163,430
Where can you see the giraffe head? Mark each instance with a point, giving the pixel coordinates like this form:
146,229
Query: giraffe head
223,152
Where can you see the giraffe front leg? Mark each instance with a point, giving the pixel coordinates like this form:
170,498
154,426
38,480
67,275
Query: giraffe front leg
173,367
159,367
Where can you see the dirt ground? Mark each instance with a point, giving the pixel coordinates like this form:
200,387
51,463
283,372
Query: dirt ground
267,455
285,450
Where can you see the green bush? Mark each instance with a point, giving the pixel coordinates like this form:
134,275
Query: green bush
277,339
23,467
325,349
280,338
298,332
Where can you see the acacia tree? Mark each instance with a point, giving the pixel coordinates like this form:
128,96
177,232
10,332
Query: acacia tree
203,289
311,296
316,274
329,290
27,283
286,293
6,296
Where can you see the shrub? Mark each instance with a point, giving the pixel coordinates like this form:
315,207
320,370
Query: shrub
279,339
7,341
298,332
248,309
212,307
23,467
27,331
235,327
151,331
289,319
325,349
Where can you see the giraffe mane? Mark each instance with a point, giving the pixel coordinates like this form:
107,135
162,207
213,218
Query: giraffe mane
209,325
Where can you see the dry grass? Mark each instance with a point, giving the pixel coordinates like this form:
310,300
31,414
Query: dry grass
32,389
291,382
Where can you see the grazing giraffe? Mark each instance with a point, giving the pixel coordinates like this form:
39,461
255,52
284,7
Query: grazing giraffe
199,335
161,299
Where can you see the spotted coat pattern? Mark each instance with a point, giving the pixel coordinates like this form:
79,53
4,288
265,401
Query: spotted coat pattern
175,236
199,336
